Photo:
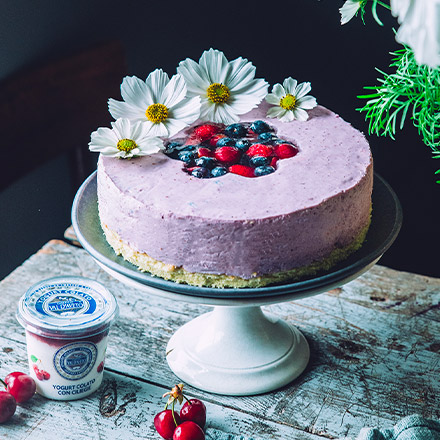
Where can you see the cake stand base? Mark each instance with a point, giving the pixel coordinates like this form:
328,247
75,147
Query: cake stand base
237,351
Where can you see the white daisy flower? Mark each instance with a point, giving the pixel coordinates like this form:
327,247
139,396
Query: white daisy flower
125,140
290,101
159,102
350,9
226,89
419,28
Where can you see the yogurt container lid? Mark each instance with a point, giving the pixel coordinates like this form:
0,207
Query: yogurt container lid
67,307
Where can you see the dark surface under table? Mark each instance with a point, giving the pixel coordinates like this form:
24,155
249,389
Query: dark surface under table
375,358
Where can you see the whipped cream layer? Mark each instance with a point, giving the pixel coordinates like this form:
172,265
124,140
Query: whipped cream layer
314,203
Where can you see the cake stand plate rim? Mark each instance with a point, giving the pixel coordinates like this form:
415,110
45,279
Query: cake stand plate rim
383,231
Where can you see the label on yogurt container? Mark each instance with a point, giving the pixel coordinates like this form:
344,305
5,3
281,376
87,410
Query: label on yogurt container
74,390
75,361
64,300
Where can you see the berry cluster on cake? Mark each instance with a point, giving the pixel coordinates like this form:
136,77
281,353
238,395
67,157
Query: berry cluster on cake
205,178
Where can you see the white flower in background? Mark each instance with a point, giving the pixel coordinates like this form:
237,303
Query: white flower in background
159,102
226,89
399,8
290,101
126,139
419,28
350,9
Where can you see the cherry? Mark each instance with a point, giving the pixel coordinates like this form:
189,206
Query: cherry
165,423
8,405
100,367
188,431
20,385
194,410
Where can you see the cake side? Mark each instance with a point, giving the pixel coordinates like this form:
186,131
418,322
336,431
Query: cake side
179,275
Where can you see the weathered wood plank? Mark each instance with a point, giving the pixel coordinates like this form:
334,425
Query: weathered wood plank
122,408
375,344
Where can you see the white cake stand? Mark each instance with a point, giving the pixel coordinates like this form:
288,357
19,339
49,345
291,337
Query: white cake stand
237,349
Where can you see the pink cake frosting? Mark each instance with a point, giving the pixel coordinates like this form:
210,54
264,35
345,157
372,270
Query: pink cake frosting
315,202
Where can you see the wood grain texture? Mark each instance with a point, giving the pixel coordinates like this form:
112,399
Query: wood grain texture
375,346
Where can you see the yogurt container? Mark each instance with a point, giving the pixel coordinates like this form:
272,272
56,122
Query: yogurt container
67,321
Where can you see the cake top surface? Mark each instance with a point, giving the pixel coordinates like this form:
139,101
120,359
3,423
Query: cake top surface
243,153
332,158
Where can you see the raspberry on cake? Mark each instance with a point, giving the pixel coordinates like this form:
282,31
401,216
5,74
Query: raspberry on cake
280,192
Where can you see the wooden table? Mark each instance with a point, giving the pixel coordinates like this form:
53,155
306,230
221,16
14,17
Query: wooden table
375,346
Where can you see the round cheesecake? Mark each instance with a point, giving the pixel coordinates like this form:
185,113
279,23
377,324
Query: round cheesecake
235,231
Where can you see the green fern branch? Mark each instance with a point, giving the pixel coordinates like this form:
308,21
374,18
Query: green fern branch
411,91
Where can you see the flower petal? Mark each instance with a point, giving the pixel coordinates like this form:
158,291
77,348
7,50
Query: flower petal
156,82
187,110
241,104
256,86
174,91
276,112
287,117
216,66
122,128
120,109
107,151
173,126
226,115
150,145
241,72
307,102
135,91
289,85
279,91
349,10
197,81
272,99
300,114
302,90
158,129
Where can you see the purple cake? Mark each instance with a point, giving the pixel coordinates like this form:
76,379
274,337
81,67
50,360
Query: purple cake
308,212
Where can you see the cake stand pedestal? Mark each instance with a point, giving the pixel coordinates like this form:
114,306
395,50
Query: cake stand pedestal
237,349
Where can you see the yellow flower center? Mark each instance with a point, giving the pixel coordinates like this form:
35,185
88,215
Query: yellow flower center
218,93
126,145
288,102
156,113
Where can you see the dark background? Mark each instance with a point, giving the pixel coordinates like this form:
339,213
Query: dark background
298,38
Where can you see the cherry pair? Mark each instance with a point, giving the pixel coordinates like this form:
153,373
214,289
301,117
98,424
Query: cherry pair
19,388
186,425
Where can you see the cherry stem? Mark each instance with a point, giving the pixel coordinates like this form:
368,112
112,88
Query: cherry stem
172,412
4,383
